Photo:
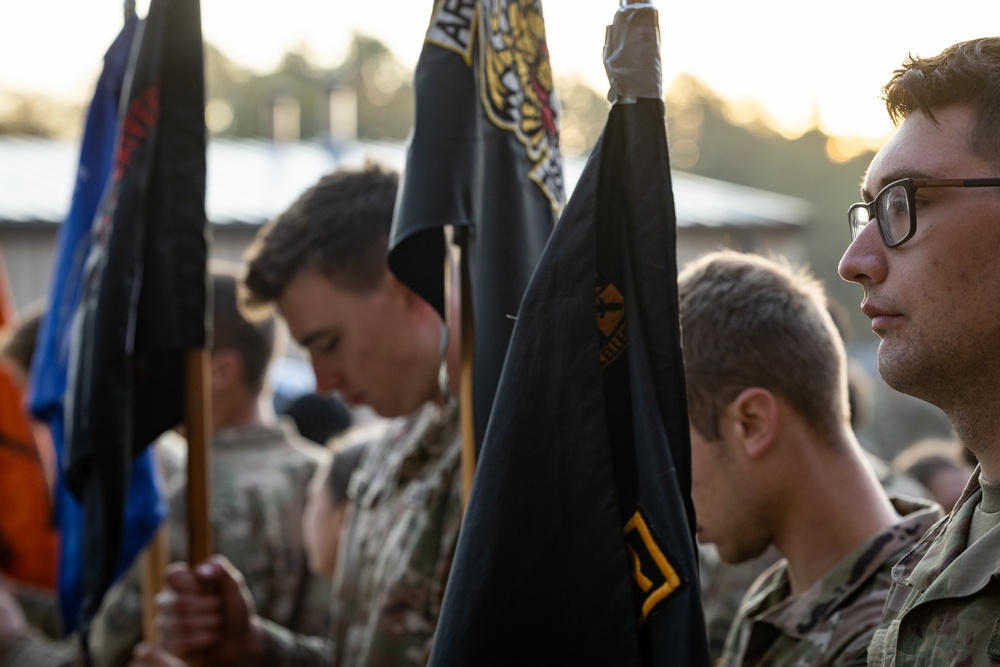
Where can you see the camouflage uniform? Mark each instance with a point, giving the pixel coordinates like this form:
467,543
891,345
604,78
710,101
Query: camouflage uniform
944,604
833,621
723,585
395,552
36,650
258,492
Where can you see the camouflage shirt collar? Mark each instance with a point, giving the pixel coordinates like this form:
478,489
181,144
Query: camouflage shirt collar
946,549
408,447
250,436
430,439
797,616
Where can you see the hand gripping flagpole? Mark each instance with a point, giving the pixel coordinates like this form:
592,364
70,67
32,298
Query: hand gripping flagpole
198,405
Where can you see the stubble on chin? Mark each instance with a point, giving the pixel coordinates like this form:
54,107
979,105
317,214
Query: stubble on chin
918,370
896,367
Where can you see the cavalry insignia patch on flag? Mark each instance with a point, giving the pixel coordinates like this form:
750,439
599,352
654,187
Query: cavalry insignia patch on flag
653,575
611,323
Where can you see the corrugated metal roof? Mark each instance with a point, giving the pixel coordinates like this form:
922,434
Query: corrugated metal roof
252,180
702,201
36,179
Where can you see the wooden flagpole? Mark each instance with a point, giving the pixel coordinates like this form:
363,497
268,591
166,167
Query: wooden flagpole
153,560
198,400
468,420
198,404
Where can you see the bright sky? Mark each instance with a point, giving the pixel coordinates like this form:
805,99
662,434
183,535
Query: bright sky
799,60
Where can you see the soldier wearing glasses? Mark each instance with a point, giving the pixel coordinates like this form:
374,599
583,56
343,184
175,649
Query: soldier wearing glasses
930,269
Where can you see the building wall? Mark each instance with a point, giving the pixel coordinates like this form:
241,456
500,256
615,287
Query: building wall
692,242
28,252
28,249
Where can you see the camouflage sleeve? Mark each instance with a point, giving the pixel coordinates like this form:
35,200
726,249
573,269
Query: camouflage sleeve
855,662
284,648
32,650
117,626
849,644
451,525
41,609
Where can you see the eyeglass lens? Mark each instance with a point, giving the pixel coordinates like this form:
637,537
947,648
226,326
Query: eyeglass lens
893,213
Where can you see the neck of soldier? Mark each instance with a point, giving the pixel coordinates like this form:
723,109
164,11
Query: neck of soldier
978,429
968,397
827,503
237,406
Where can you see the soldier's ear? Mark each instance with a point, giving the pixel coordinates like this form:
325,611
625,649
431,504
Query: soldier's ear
227,369
754,415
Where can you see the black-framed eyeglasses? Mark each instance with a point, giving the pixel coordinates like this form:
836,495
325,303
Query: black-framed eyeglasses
895,209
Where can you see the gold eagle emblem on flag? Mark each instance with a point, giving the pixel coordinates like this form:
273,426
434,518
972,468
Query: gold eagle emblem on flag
517,87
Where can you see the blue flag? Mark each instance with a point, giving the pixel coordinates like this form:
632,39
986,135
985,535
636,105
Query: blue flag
51,360
143,306
577,546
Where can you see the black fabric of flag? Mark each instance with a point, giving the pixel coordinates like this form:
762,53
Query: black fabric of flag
483,159
144,300
50,365
577,546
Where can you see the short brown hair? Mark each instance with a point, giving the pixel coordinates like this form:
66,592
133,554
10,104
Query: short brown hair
18,343
339,227
748,321
253,340
967,73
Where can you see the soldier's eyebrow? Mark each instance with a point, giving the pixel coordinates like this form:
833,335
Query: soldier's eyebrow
311,338
891,177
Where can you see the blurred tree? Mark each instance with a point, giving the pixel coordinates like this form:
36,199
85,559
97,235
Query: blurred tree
703,140
583,113
243,104
35,115
232,104
384,89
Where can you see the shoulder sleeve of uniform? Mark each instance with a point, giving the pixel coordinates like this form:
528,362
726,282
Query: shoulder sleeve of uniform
857,627
284,648
117,627
30,650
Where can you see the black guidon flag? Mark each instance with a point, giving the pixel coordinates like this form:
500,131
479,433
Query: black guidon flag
577,546
144,296
484,160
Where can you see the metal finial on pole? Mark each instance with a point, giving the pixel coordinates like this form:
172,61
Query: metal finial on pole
632,53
